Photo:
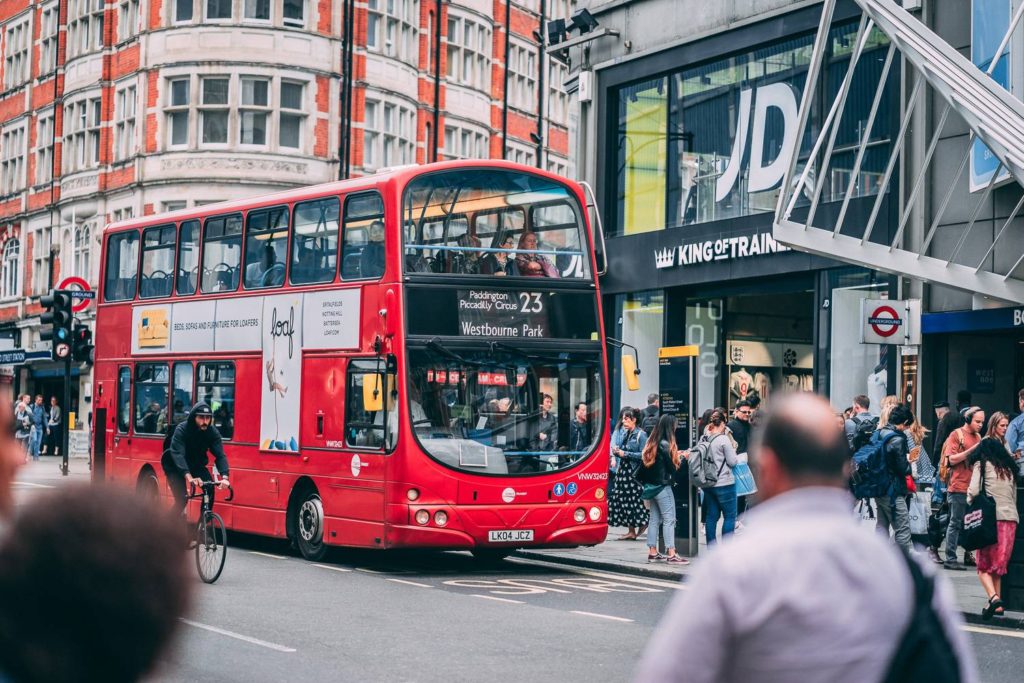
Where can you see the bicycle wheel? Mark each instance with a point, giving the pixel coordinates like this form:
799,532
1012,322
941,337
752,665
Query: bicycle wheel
211,546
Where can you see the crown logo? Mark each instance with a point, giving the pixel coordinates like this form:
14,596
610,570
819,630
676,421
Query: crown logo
665,258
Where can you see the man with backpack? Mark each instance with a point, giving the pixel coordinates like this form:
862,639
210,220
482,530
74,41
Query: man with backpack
650,414
774,604
893,507
861,424
955,469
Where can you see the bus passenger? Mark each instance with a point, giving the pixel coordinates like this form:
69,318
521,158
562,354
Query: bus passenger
533,265
546,436
467,262
371,261
498,262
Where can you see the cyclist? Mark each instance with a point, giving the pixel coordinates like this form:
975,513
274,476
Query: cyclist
185,460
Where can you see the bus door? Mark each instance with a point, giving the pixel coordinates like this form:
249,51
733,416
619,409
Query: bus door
118,427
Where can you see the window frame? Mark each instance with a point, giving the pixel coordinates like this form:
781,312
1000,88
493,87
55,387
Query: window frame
125,111
199,383
206,240
199,257
204,109
11,284
293,237
172,423
48,32
13,156
253,234
405,23
120,236
17,64
354,367
128,14
254,109
45,139
124,427
458,47
160,245
344,219
155,383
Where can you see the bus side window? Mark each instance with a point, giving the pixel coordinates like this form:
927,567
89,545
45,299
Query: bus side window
315,241
369,405
266,246
157,262
151,398
122,266
181,392
215,386
222,254
124,399
363,251
188,258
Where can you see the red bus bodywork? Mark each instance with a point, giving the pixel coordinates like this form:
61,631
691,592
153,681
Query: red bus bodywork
364,493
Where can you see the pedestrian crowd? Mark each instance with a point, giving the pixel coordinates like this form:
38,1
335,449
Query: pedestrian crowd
38,426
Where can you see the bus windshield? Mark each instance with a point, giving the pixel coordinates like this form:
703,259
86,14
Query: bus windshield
493,222
505,412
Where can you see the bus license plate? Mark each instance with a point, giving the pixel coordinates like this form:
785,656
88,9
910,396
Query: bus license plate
509,535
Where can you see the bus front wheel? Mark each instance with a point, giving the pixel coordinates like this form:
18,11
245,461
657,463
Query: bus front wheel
309,526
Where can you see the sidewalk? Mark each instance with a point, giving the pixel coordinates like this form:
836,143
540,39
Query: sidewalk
630,557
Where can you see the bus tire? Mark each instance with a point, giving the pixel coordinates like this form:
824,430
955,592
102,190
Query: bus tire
309,526
489,556
147,485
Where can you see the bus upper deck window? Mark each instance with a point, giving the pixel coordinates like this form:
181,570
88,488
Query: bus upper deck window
122,266
188,258
315,241
157,262
363,250
266,244
222,254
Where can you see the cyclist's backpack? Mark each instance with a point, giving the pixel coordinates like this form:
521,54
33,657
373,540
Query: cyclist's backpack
703,473
871,477
863,431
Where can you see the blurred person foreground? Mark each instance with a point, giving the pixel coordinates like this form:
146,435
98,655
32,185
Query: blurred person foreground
93,580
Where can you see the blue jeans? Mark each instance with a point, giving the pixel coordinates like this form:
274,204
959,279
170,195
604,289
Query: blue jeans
36,441
721,501
663,512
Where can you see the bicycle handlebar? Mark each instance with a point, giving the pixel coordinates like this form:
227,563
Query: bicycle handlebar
212,485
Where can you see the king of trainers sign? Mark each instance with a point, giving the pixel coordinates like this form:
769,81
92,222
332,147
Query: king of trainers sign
722,249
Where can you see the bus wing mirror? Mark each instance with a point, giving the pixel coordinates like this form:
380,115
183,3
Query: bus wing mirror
630,372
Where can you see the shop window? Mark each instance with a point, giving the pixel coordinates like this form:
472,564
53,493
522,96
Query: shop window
124,399
122,266
315,241
157,262
151,381
266,246
363,253
222,254
642,320
366,423
642,156
181,393
188,257
215,387
855,369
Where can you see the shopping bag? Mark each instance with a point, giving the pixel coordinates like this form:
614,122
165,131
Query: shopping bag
920,508
745,484
980,530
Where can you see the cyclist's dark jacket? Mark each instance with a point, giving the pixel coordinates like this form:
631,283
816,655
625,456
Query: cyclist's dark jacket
189,444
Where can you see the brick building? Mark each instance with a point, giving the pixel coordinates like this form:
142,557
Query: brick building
118,108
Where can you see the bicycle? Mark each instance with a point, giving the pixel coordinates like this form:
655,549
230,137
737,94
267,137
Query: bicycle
211,535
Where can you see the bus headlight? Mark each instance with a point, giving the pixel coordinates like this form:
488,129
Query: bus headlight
412,494
422,517
580,515
599,493
440,518
595,514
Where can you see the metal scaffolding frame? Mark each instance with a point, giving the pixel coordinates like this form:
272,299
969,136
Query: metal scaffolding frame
992,114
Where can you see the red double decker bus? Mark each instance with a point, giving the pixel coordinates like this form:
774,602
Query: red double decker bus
410,359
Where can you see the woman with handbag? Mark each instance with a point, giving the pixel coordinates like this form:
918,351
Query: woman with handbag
995,475
625,507
659,463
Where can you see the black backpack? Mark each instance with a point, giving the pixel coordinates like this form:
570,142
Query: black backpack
650,420
863,431
924,652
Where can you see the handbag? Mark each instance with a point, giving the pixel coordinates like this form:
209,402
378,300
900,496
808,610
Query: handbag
920,509
745,484
980,530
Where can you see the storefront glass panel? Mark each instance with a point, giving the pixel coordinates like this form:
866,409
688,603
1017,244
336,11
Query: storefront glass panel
855,369
642,156
642,321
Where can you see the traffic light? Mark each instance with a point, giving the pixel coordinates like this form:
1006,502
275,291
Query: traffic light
81,345
58,317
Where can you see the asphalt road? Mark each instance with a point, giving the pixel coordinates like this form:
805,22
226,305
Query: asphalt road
363,616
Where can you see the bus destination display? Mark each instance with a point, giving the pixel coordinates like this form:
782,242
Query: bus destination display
487,313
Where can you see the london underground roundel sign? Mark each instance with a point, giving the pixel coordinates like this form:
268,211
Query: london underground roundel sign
885,321
81,285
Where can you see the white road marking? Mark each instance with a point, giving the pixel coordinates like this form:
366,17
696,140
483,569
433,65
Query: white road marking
661,583
491,597
33,484
994,631
336,569
602,616
411,583
369,571
239,636
274,557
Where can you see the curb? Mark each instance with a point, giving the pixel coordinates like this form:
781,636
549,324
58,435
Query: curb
648,572
973,618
